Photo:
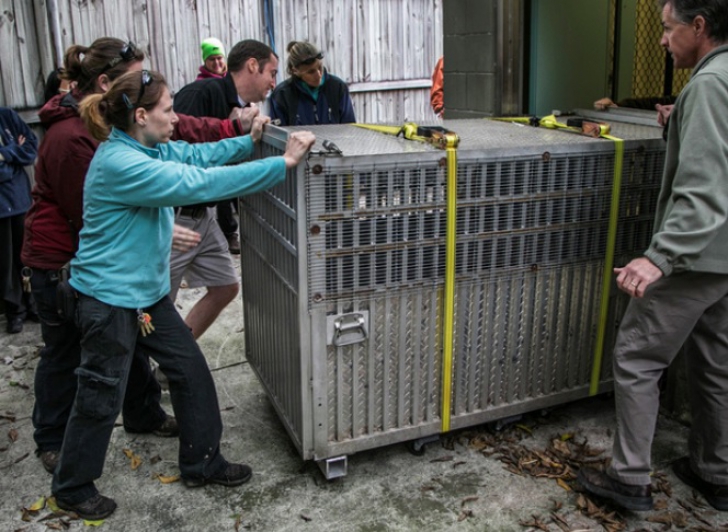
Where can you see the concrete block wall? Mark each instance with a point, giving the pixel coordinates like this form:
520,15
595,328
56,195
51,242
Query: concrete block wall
470,48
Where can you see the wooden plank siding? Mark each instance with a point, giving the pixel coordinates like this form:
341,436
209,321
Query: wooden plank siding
366,42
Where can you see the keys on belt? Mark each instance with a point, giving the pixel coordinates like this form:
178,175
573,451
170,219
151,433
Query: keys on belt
192,212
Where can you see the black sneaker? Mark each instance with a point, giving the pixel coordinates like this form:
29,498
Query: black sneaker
93,509
715,494
168,429
233,243
637,498
230,475
14,325
49,459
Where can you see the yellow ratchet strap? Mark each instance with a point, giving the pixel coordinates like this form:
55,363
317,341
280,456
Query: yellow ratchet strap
608,263
448,344
582,126
446,140
438,136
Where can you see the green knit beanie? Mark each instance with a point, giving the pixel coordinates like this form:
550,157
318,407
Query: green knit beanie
210,47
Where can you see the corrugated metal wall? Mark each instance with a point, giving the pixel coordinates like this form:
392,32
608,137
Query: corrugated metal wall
367,42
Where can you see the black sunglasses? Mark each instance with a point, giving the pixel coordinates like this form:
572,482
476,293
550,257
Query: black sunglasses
127,53
146,80
310,60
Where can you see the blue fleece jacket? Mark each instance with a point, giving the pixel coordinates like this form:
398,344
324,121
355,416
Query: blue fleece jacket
314,107
14,183
129,194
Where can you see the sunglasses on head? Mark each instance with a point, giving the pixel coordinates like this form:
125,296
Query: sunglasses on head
146,80
310,60
127,53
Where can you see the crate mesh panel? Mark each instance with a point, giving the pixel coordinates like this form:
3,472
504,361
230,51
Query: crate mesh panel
393,380
512,213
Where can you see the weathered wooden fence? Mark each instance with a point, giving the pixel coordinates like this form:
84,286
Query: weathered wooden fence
385,49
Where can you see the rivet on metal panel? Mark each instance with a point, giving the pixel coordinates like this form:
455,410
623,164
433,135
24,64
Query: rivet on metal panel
443,162
317,169
318,298
315,230
546,156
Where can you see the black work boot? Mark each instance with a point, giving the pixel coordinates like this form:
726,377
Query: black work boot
93,509
230,475
49,459
715,494
168,429
637,498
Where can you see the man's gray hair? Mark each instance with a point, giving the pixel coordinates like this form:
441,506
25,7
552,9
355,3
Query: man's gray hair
715,13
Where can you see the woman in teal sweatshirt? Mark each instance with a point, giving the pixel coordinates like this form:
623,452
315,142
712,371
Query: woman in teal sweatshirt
121,276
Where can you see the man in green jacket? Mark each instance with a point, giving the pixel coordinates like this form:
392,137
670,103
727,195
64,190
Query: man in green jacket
679,287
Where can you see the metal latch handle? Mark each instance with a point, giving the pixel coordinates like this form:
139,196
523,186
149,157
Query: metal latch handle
349,329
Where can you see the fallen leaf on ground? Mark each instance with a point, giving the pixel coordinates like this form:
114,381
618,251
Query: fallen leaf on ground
13,435
37,505
535,523
471,498
167,479
560,522
21,458
136,460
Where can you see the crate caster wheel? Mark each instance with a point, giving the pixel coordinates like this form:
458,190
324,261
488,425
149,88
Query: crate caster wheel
417,447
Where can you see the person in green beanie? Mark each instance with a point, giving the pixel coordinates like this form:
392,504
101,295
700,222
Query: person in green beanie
214,59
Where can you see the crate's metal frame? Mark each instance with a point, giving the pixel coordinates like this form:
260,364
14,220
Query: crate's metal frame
381,383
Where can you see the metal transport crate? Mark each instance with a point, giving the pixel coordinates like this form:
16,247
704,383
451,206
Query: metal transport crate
344,274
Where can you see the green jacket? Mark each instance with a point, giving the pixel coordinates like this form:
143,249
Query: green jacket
691,233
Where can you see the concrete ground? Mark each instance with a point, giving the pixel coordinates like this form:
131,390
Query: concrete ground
518,478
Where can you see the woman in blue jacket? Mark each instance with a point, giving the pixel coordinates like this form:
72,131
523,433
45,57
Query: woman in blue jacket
18,149
312,95
121,276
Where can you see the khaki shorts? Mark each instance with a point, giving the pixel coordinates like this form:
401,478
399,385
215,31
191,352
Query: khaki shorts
207,264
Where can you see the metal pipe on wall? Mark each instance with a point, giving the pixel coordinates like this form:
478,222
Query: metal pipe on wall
510,57
55,26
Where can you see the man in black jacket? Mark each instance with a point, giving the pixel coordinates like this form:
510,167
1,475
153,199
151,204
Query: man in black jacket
252,70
